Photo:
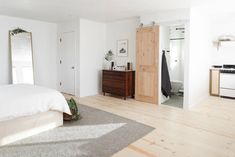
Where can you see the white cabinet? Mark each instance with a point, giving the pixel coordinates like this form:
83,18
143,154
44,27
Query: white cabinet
227,85
227,80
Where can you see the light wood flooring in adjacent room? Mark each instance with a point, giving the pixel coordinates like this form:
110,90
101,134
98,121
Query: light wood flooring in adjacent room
207,130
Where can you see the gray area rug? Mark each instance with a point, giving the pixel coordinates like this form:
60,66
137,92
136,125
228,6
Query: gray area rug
97,134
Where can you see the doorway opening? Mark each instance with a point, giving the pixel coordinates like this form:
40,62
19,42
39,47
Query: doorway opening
172,47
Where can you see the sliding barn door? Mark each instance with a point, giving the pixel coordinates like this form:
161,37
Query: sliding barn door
147,64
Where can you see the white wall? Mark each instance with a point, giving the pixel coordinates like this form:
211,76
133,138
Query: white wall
92,50
44,49
186,65
199,57
164,38
225,54
165,17
125,29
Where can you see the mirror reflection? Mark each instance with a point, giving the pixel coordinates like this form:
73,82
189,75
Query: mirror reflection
21,56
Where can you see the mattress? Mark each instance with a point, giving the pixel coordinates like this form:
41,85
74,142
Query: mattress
20,128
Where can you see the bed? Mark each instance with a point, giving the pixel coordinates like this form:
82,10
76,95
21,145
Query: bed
27,110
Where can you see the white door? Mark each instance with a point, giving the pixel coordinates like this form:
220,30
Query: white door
67,49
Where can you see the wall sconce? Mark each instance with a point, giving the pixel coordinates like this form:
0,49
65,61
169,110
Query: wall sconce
223,38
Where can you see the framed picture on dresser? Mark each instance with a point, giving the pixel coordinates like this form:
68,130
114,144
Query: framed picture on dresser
122,48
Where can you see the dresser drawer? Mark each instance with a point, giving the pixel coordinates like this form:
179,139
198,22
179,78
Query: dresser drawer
116,91
114,83
114,74
116,78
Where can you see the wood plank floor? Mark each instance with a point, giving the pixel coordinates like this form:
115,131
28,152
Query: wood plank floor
207,130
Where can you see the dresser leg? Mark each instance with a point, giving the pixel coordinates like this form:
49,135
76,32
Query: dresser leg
124,98
104,93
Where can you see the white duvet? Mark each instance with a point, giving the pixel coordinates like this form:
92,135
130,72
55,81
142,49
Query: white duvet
24,100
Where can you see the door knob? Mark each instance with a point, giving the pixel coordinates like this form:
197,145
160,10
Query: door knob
73,67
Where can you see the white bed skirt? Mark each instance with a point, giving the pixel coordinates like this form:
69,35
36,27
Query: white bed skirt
20,128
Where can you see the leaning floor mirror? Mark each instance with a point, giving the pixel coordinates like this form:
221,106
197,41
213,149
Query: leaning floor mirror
21,56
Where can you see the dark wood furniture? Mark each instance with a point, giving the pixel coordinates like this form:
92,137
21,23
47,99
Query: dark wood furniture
121,83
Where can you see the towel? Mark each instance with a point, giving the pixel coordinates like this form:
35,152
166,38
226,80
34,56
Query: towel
166,83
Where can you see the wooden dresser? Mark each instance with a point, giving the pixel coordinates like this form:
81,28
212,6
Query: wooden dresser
121,83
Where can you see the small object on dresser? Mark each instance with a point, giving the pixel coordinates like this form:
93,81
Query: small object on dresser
129,66
74,111
120,68
109,56
107,60
112,65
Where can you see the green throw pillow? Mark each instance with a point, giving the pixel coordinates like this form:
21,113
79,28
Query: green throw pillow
74,109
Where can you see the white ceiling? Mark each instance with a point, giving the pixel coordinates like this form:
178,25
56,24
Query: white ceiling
99,10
